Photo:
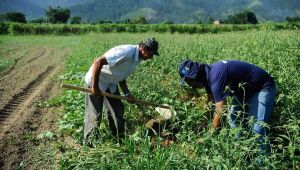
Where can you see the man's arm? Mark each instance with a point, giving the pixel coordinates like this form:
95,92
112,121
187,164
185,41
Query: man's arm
124,87
97,66
218,115
126,91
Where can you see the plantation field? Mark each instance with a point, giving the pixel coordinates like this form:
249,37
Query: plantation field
157,80
277,52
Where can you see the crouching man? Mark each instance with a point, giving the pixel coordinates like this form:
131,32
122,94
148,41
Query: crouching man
247,84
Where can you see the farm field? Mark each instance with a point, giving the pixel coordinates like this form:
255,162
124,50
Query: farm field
50,123
29,66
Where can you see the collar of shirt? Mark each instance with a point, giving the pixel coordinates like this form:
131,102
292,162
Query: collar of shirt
137,53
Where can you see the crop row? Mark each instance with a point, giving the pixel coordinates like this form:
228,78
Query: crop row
61,29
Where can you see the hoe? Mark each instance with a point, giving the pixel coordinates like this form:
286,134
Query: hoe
165,111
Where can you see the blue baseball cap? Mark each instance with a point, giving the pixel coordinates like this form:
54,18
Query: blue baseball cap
188,68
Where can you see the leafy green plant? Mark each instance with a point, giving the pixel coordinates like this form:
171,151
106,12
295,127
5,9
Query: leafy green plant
46,135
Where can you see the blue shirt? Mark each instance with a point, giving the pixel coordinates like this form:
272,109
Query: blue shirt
237,78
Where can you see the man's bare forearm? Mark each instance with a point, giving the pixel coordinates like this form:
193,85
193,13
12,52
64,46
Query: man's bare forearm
97,66
218,115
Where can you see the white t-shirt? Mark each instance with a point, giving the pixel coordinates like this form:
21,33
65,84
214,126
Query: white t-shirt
121,60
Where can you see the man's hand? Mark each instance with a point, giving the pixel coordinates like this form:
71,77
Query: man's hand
218,115
123,85
96,91
216,122
131,98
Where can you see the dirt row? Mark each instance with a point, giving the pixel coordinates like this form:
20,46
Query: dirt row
30,80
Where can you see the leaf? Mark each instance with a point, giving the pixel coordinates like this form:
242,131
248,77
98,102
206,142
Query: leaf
47,135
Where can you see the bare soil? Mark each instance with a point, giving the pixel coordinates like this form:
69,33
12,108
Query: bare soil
30,80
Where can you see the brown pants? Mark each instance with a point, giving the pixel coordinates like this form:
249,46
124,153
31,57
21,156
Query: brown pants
93,114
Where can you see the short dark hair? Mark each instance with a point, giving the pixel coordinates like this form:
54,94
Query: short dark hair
151,44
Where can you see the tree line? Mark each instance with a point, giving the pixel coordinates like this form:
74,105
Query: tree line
66,29
60,15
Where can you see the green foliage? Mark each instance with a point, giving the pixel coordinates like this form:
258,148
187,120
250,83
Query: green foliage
3,28
46,135
4,64
63,29
104,22
44,29
138,20
75,20
13,17
57,15
244,17
158,81
293,19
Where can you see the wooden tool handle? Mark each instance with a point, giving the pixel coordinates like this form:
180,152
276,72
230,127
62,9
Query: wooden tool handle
68,86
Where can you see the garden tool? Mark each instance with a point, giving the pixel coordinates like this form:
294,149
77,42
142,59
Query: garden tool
164,110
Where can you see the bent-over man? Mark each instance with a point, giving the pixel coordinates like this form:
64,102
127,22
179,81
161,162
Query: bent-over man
248,85
105,74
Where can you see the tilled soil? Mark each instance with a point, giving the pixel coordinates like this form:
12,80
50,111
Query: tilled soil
30,80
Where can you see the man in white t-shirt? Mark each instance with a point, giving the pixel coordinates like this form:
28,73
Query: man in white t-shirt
104,75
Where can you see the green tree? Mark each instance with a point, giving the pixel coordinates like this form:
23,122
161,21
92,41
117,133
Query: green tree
244,17
104,22
140,20
57,15
76,20
13,17
293,19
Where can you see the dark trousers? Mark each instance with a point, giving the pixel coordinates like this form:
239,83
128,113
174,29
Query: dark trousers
93,114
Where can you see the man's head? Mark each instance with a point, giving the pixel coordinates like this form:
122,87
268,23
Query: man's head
190,72
148,48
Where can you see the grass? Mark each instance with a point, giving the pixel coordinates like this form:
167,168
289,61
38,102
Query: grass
4,64
12,47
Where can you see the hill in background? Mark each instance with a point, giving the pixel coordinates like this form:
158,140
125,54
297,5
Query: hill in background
54,3
155,11
23,6
187,11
